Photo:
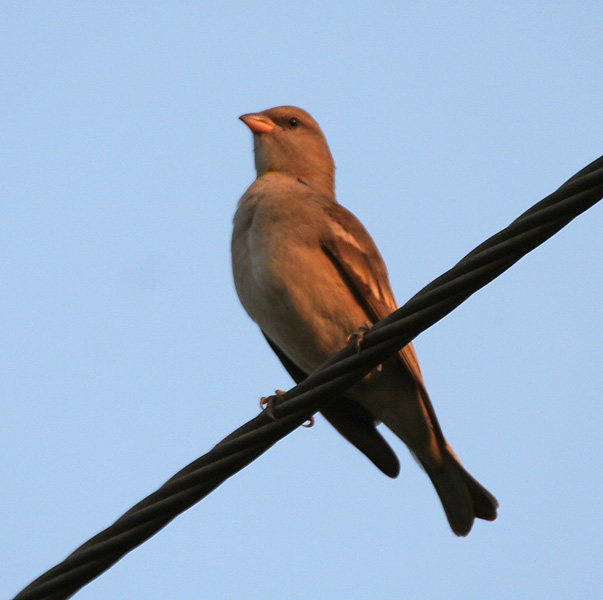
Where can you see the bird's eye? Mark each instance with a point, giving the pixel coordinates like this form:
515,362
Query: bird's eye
294,121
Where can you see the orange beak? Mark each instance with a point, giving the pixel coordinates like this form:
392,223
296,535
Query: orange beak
258,123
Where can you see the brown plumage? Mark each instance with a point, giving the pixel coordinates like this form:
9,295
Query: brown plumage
309,274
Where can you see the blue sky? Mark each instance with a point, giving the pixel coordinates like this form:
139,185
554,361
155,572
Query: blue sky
126,354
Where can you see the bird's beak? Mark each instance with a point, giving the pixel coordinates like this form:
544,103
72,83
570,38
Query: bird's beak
258,123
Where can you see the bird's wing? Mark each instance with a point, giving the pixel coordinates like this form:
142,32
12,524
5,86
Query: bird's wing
353,253
354,422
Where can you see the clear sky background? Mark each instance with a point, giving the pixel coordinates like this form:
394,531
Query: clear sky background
125,353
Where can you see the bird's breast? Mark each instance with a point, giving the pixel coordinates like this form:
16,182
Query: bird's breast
288,285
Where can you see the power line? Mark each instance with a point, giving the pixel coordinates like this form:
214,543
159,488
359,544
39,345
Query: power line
432,303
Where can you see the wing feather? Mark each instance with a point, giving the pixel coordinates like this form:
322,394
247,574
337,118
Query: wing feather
352,251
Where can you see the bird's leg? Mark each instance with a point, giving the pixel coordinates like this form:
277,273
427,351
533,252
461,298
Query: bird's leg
268,403
357,337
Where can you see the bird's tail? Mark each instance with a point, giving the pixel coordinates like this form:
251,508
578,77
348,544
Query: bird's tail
463,498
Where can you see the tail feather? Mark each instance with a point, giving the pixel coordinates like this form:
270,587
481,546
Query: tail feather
463,498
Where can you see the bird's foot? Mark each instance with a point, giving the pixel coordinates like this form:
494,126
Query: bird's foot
357,337
267,403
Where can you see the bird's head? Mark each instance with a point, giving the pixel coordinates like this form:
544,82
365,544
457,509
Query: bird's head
288,140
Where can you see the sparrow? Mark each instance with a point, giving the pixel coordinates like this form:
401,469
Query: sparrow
309,274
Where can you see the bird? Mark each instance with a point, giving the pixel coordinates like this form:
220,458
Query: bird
309,274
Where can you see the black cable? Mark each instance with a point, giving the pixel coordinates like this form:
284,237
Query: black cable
436,300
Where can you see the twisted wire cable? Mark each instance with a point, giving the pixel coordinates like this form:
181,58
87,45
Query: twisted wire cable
432,303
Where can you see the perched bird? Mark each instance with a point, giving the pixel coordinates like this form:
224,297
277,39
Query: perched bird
309,275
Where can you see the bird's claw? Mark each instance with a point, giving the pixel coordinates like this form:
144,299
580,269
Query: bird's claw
358,336
268,403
